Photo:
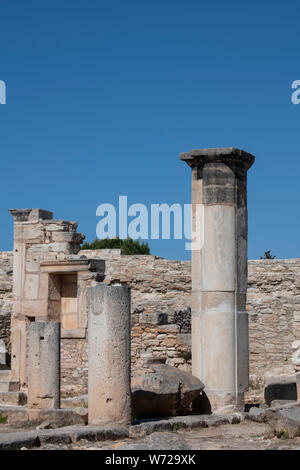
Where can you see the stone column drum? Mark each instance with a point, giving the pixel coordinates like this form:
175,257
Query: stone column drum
109,394
220,351
44,365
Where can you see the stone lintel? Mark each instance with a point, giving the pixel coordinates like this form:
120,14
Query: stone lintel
24,215
67,266
223,155
74,333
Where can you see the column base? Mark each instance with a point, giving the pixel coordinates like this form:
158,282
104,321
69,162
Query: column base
14,386
221,400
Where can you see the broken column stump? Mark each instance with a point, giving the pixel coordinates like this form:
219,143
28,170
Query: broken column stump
44,365
109,397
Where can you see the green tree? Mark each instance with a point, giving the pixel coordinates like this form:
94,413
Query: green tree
268,255
130,246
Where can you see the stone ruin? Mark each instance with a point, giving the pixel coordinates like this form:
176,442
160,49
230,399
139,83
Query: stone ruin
59,293
50,281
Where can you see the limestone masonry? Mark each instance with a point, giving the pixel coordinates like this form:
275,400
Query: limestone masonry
160,293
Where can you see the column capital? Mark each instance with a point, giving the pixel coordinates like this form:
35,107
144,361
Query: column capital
227,155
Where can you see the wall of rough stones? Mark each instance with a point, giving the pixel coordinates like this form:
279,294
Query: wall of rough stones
161,291
6,270
273,303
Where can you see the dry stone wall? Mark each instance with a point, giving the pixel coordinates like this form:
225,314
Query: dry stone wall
6,272
273,303
160,314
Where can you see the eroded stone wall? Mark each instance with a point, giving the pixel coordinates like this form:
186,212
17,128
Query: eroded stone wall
273,303
161,291
6,272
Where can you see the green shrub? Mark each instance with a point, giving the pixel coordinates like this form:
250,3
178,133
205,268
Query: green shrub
268,255
282,434
130,247
3,419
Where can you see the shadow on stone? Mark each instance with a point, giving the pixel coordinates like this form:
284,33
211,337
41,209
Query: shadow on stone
201,405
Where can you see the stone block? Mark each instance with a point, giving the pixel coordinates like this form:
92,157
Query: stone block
155,318
13,398
169,328
285,419
109,355
280,388
58,418
165,391
217,355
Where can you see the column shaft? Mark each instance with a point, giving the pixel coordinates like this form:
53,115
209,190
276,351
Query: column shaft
220,353
109,394
44,365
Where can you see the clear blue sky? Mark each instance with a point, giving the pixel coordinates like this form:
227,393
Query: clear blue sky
102,96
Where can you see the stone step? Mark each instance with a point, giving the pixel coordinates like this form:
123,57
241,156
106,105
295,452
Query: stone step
13,398
4,375
4,380
4,386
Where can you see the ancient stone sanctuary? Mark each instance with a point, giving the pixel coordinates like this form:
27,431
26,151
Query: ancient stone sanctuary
104,350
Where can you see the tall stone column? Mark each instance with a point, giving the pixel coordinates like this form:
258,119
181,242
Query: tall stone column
109,394
220,351
44,365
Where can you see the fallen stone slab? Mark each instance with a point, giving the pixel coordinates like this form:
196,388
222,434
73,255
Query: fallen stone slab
166,391
280,388
285,420
58,418
256,414
158,441
276,403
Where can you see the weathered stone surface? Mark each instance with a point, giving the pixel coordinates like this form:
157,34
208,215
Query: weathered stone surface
15,414
276,403
58,418
13,398
158,441
164,391
156,318
44,365
17,440
74,402
165,286
109,394
280,388
219,273
257,414
29,439
285,419
142,429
